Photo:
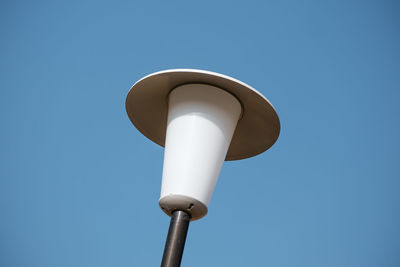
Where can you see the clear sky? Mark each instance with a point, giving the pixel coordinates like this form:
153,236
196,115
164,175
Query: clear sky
79,184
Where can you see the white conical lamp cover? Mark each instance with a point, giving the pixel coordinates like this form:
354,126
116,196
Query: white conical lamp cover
201,123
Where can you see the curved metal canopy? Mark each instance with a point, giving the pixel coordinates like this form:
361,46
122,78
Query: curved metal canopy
147,107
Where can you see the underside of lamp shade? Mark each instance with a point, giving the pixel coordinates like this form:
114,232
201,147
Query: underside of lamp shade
147,108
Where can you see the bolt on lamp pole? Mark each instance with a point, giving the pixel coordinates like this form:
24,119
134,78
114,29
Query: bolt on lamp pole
202,118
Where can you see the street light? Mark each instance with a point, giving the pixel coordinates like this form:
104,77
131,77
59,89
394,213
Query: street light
201,118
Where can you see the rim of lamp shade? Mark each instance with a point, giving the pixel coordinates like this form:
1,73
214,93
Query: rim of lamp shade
147,107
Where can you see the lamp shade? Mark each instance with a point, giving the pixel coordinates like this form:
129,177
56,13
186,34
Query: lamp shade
201,122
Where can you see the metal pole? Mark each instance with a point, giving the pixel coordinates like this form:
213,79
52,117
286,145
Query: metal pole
176,239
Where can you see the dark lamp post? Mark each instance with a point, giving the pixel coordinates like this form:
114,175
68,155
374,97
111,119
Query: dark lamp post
201,118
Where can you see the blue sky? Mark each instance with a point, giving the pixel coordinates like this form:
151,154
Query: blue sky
79,184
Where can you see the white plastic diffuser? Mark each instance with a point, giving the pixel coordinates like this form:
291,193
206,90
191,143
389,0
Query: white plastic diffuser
202,118
201,122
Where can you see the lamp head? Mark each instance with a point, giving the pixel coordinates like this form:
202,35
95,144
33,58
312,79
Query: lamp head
202,118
